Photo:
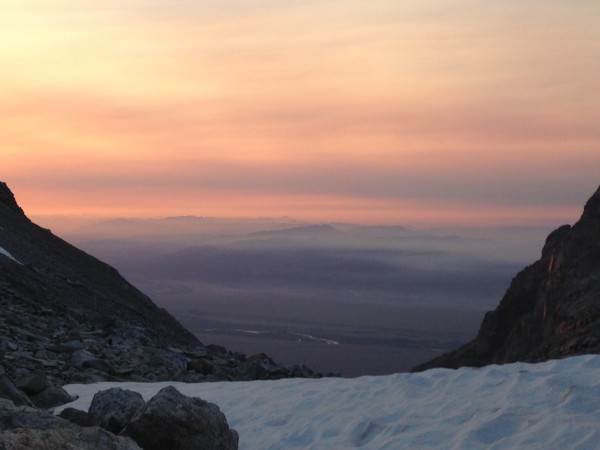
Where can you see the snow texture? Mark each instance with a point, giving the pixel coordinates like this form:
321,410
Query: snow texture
8,255
552,405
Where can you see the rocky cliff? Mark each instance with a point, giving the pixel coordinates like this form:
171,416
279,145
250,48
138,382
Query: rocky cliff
74,318
551,309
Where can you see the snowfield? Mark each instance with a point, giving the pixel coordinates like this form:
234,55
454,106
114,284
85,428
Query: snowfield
552,405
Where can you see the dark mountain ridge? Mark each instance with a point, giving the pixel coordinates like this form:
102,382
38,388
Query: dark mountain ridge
552,307
64,312
308,231
80,282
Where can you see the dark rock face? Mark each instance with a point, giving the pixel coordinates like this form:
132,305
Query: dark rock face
592,207
9,391
24,428
51,396
60,307
74,318
41,393
551,309
169,420
77,417
113,408
34,383
174,421
8,199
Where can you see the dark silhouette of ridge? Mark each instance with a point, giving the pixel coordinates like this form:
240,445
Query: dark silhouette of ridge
551,309
7,199
88,285
303,231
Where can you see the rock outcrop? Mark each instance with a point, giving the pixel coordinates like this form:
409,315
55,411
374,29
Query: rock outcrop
551,309
169,420
7,199
9,391
25,428
74,318
113,408
172,420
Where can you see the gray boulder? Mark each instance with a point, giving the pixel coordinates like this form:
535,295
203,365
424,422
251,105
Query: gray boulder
112,408
52,396
9,391
83,359
170,420
173,362
24,428
34,383
77,417
64,439
200,365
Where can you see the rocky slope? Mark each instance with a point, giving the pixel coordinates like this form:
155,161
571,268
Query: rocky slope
76,319
551,309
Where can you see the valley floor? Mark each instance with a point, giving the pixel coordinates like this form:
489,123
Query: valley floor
552,405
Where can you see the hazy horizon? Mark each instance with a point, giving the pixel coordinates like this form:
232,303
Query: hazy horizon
340,298
76,224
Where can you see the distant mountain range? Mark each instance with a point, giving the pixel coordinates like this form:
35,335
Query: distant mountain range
310,231
551,309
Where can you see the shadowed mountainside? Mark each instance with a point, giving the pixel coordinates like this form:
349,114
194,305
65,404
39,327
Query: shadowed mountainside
551,309
74,317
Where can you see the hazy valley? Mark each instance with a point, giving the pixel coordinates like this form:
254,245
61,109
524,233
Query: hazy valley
340,298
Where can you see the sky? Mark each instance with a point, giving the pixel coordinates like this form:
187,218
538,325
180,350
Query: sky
421,112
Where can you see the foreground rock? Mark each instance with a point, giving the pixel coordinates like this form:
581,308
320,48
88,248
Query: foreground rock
173,421
169,420
9,391
112,409
551,309
41,393
25,428
50,397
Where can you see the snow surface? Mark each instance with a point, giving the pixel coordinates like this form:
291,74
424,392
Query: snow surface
7,254
552,405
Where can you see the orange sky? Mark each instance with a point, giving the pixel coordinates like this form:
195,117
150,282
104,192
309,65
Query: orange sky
414,112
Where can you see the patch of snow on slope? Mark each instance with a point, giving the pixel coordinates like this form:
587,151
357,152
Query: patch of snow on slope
535,406
8,255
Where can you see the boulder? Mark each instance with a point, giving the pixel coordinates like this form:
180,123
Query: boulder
171,361
170,420
302,371
52,396
83,359
64,439
69,347
9,391
24,428
200,365
34,383
77,417
112,408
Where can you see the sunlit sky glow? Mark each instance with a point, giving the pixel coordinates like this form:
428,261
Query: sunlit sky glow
413,112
